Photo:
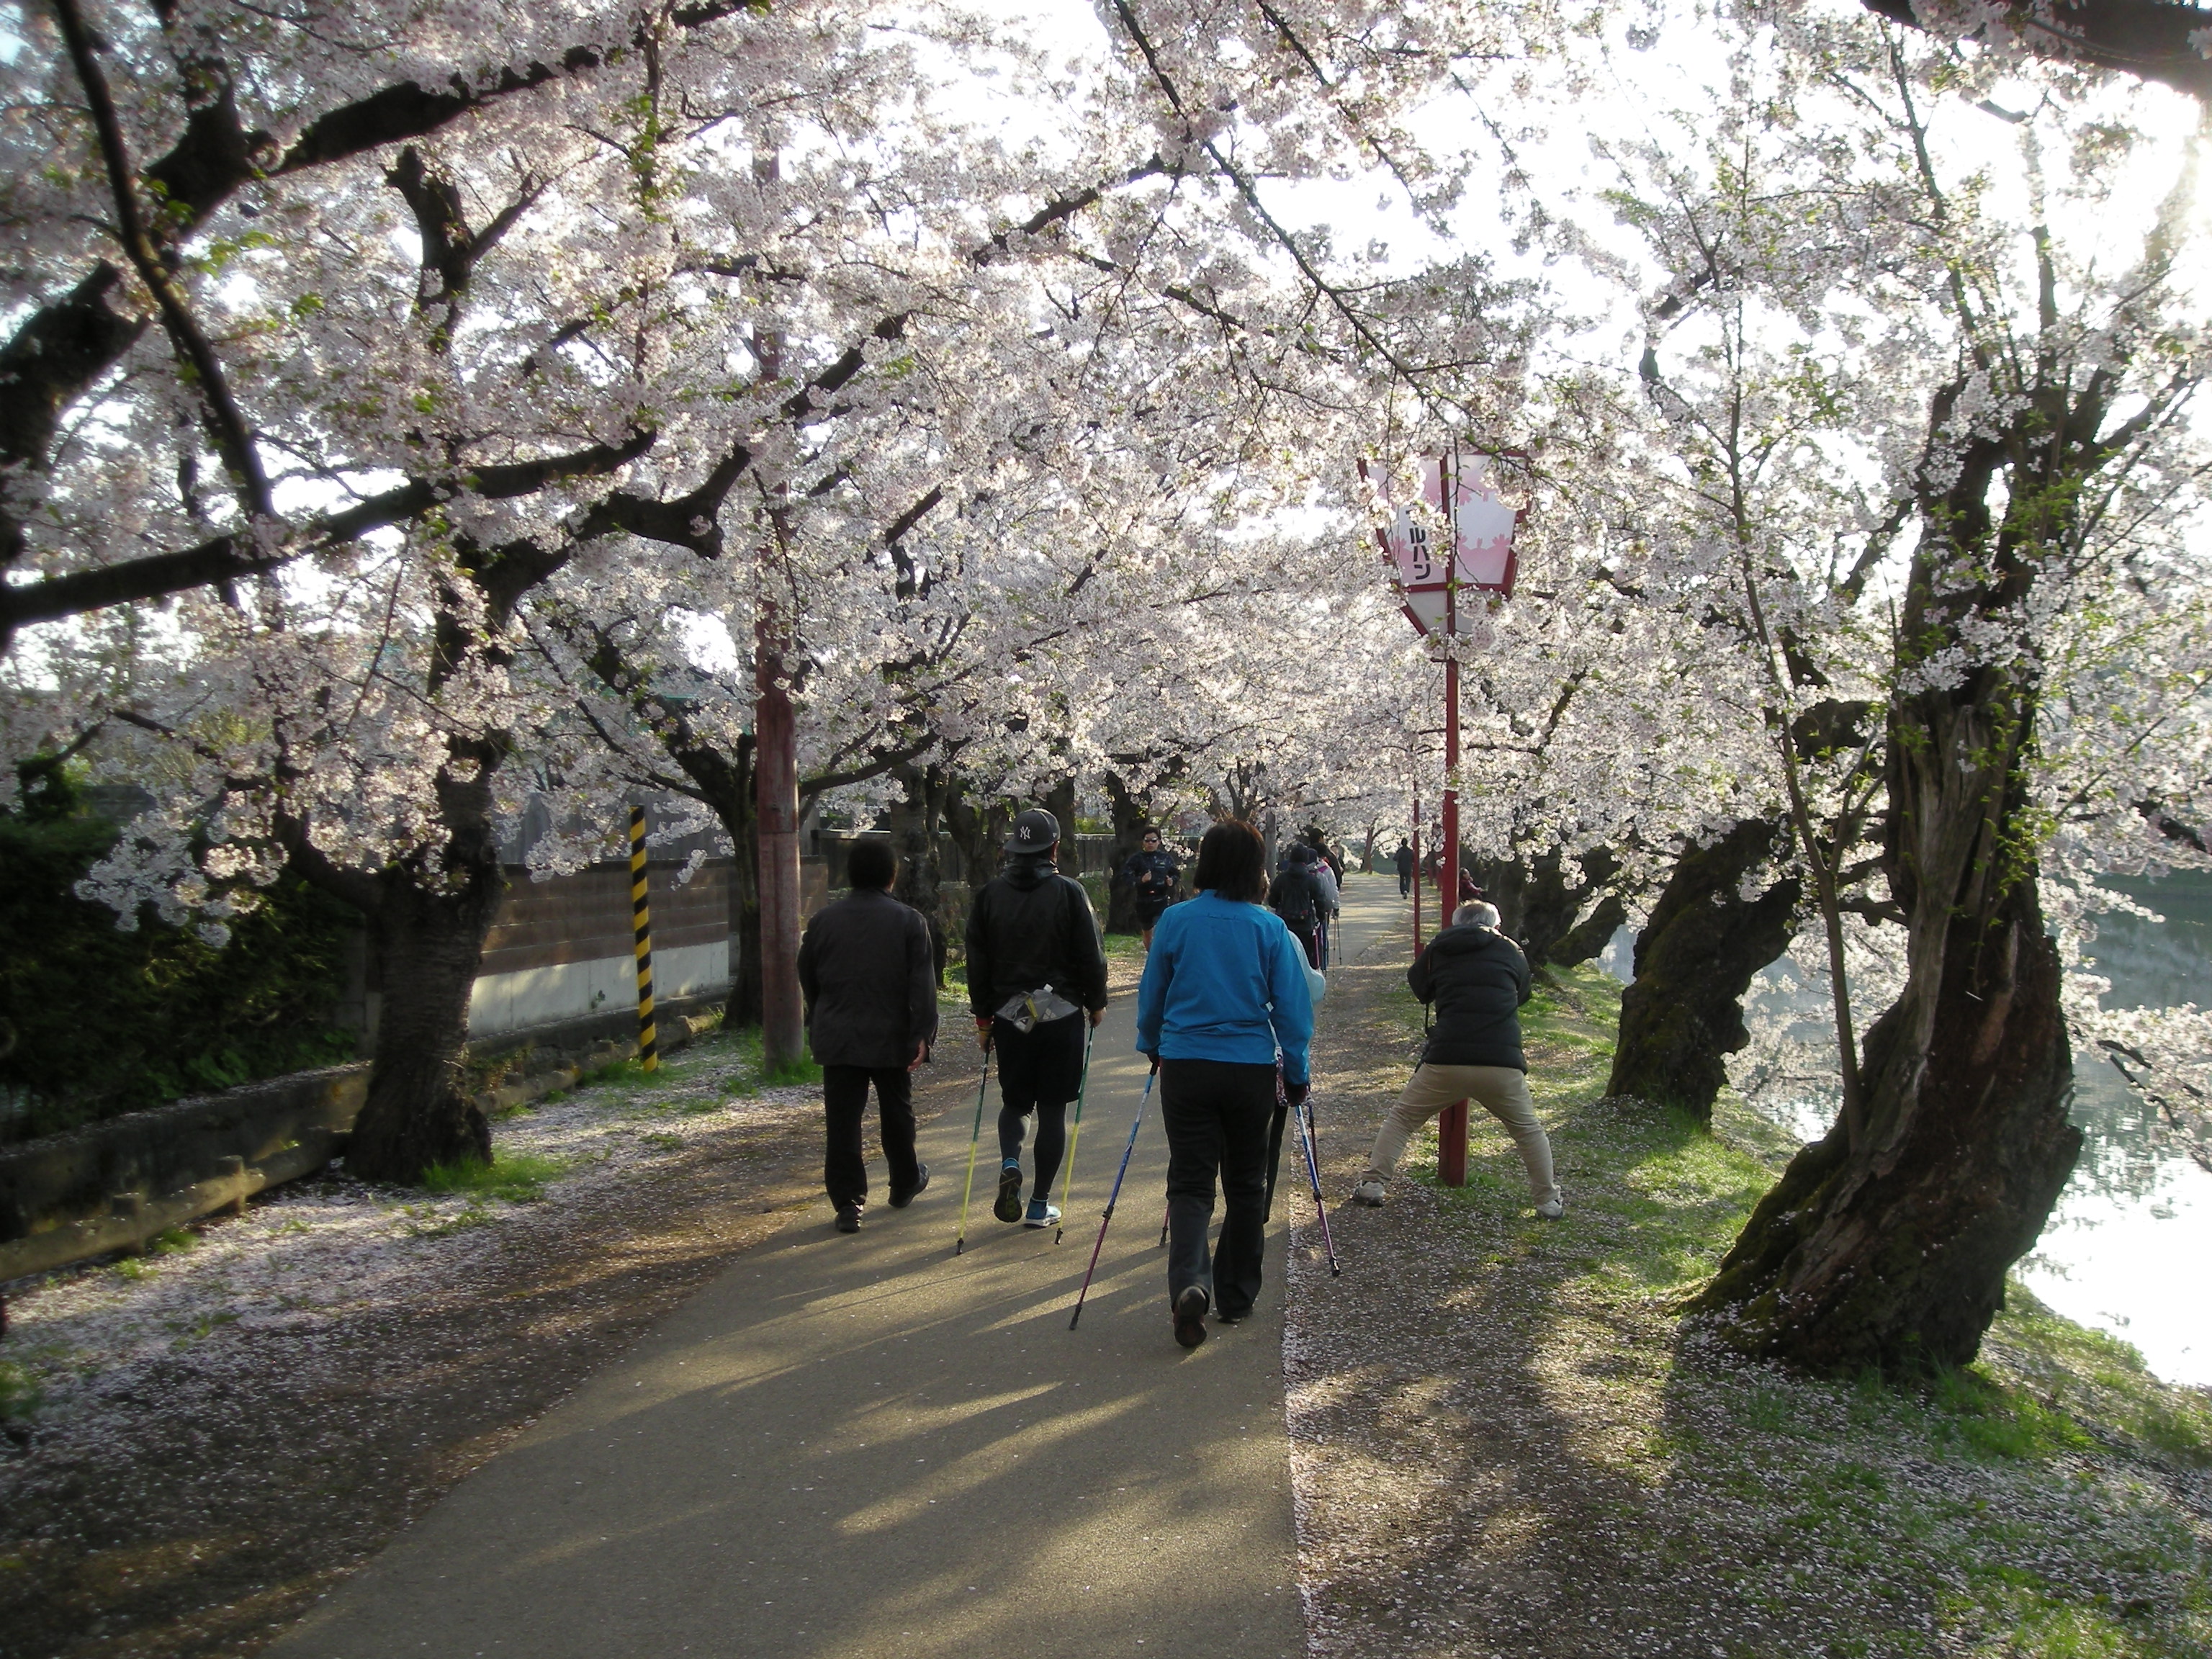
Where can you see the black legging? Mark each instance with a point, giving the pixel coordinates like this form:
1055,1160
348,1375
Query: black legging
1051,1140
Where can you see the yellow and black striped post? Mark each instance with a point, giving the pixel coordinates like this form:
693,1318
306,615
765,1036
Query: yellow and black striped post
641,917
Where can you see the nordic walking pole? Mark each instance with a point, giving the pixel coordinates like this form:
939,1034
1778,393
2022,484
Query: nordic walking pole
982,1085
1113,1197
1313,1175
1074,1134
1164,1214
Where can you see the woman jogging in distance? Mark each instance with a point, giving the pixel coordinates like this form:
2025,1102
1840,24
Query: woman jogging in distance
1223,989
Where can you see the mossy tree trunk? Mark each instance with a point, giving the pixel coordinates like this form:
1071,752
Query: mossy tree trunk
1682,1013
1886,1244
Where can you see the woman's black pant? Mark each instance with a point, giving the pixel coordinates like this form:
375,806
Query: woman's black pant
1217,1113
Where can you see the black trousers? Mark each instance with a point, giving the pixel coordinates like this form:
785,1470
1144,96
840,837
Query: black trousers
1405,883
1040,1071
845,1100
1218,1114
1309,937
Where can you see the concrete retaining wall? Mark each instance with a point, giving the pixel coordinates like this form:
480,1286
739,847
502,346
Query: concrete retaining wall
113,1186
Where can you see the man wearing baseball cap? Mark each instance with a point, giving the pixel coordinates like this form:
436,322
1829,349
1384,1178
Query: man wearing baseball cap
1035,962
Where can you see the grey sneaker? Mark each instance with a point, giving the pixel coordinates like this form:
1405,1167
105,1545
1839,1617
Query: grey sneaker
1041,1214
1553,1208
1372,1193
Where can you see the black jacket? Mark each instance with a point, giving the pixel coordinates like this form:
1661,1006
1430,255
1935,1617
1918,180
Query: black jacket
1031,926
1478,978
1404,860
870,978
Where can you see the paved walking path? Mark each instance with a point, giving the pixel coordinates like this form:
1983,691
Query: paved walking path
851,1447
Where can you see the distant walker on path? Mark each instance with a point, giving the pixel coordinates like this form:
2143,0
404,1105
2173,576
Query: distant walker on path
1152,872
1478,978
1225,988
1034,961
869,977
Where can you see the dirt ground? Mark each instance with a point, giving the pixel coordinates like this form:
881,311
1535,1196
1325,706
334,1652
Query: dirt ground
1505,1439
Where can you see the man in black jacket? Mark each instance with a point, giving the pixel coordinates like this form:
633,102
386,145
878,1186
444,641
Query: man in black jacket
1035,962
870,980
1478,978
1405,863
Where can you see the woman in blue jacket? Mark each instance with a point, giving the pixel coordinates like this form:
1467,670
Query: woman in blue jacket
1225,988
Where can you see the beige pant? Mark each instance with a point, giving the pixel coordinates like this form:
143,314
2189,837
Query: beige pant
1502,1091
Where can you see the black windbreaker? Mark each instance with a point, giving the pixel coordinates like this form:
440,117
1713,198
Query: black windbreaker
1031,926
1478,978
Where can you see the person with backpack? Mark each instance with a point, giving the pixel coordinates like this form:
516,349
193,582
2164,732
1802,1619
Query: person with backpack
1152,871
1325,879
1296,896
1478,978
1035,962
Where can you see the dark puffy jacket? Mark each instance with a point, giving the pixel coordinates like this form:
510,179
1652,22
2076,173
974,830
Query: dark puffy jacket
1031,926
870,978
1478,978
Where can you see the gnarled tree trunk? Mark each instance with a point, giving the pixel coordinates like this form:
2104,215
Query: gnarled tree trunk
430,941
1890,1248
1682,1014
1886,1244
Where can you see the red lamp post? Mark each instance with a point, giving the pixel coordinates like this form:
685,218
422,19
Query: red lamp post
1477,532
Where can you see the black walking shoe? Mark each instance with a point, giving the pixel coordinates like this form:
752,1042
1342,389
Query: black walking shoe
1009,1207
1190,1315
900,1200
848,1218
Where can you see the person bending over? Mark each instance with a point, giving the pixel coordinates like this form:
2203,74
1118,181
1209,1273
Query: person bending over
1035,962
1478,978
870,980
1225,986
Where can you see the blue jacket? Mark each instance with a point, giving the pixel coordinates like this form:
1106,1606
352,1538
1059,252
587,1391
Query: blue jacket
1225,982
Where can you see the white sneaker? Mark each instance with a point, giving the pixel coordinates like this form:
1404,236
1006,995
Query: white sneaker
1370,1193
1553,1208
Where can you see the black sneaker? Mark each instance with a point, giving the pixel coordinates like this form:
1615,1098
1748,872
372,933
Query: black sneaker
900,1200
848,1218
1009,1207
1190,1315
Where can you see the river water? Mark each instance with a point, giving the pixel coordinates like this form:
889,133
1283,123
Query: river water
2128,1248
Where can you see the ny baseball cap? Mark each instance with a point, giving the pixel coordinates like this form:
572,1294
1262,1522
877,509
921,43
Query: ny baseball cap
1034,831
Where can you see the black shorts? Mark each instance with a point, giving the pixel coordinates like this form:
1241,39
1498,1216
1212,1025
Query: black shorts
1149,910
1044,1063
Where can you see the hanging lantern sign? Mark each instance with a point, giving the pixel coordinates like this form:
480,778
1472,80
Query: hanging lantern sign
1460,506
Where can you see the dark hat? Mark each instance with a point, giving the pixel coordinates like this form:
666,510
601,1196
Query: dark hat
1301,854
1034,831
